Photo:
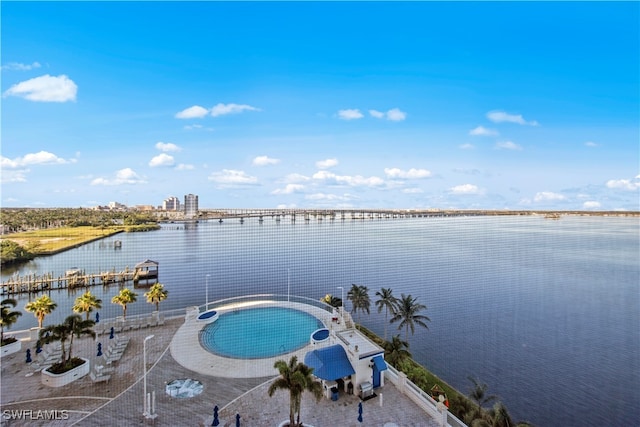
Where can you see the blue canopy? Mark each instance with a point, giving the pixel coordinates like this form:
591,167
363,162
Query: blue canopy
379,362
329,363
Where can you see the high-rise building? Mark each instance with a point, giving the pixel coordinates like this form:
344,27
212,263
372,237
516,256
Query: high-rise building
171,204
190,206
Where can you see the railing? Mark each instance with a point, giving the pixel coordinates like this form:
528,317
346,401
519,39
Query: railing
419,396
269,297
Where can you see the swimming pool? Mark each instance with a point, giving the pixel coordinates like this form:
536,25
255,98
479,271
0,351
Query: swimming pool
258,333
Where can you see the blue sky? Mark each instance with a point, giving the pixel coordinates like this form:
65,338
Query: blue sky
325,105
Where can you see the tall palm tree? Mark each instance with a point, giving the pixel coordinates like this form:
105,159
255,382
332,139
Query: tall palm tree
333,301
72,326
359,297
156,295
41,307
124,297
387,301
395,351
407,310
8,317
86,303
297,378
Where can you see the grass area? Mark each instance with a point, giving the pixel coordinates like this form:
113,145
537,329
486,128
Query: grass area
47,241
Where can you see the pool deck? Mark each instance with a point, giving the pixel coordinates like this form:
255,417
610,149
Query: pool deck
226,384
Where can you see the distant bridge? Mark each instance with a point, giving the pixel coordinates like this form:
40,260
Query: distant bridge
344,214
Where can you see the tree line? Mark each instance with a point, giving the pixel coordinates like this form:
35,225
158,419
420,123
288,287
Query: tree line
15,220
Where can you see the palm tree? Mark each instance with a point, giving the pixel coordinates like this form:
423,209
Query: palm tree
407,310
8,317
297,378
156,295
86,303
126,296
359,296
40,308
334,302
73,326
388,302
395,351
479,393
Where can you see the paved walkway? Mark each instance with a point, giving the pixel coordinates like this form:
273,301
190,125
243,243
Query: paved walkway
120,401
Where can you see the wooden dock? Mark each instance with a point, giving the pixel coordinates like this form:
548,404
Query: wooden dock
146,271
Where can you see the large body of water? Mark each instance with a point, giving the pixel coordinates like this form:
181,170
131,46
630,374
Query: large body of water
547,313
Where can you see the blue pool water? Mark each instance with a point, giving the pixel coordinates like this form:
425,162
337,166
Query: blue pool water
258,333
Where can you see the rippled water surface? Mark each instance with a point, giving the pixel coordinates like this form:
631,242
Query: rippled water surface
546,312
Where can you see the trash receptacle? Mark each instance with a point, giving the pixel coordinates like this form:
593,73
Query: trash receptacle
366,390
334,393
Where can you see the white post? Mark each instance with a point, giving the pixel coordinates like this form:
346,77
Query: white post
144,359
342,302
206,306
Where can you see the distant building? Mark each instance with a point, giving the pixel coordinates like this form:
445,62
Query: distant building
144,208
171,204
190,206
115,206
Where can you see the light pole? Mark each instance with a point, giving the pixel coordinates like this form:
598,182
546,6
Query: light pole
206,306
146,405
341,304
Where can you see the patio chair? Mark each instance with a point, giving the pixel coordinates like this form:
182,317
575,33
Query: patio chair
99,377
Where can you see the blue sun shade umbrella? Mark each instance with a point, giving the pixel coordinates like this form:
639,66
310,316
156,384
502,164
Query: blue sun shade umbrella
359,411
28,355
111,333
99,349
38,347
216,421
97,317
237,420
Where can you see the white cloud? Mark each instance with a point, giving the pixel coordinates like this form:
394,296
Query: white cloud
232,177
409,174
264,161
45,89
354,181
184,167
289,189
295,178
591,144
395,115
123,176
167,147
508,145
39,158
591,205
326,164
329,197
377,114
466,189
624,184
501,116
14,175
466,147
544,196
483,131
162,160
194,112
223,109
21,67
350,114
413,190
